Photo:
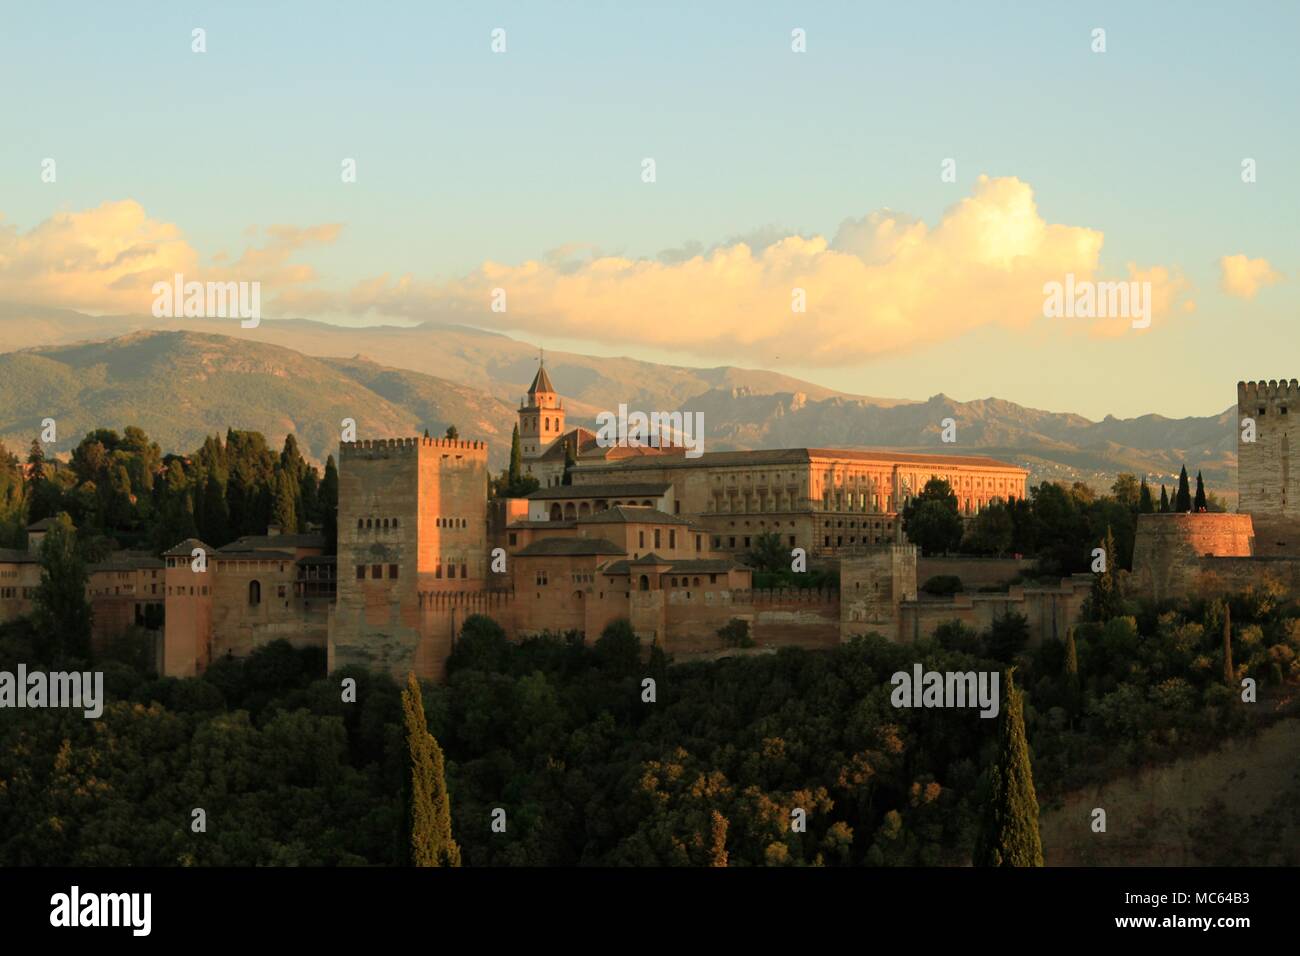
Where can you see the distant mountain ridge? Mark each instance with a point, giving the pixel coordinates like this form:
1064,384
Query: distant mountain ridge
406,379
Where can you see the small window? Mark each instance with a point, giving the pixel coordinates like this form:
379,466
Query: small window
376,571
514,539
361,571
394,522
392,571
361,523
464,570
437,572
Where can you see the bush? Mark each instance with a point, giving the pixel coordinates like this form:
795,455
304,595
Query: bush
942,585
735,633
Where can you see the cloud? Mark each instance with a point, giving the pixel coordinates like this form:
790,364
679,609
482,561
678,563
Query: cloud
1244,277
107,258
885,283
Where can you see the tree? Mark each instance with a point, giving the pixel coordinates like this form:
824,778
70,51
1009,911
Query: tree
991,531
1008,833
1126,490
1183,501
1199,504
284,510
718,840
516,458
214,518
329,506
452,433
43,498
1164,501
1229,674
428,803
61,611
1071,661
1145,505
570,461
931,519
768,554
1105,601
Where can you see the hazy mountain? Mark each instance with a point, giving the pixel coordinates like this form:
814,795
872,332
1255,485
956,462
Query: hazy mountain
181,386
287,374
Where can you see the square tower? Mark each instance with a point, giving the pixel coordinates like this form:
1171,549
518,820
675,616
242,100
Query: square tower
1266,482
412,523
541,418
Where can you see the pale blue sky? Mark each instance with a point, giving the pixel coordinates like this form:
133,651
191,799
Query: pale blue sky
464,156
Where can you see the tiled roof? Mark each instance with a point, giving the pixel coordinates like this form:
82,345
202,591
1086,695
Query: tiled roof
255,555
541,382
634,489
569,546
622,514
253,542
127,561
18,556
800,456
694,566
551,525
186,548
42,525
318,559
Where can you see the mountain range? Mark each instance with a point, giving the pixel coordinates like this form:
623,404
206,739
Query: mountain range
181,379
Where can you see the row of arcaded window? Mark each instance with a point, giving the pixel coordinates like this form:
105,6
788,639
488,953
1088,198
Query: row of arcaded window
452,522
371,523
451,569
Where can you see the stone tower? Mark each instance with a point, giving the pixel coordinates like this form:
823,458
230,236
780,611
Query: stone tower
873,582
1266,481
412,527
541,417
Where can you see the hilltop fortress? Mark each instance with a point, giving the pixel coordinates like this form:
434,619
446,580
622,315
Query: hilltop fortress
650,535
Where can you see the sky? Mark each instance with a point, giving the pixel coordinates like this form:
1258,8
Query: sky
776,174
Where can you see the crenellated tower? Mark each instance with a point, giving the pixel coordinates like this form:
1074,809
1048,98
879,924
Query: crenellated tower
1267,484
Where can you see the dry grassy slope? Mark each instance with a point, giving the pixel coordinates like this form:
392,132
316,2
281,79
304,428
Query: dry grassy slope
1149,813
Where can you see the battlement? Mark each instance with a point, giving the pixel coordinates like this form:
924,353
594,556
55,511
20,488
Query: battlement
389,447
1252,393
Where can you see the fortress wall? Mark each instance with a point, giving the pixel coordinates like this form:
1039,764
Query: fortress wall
974,572
1167,549
1267,482
1049,612
1227,575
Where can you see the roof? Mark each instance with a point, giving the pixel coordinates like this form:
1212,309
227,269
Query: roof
622,514
573,547
256,555
612,489
522,525
318,559
127,561
254,542
650,558
186,548
541,382
42,525
802,456
18,556
694,566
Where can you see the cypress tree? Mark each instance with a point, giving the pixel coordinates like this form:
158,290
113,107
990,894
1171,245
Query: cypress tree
516,458
284,510
569,462
429,806
214,521
1164,501
329,506
718,840
1229,674
1183,503
61,612
1072,669
1145,505
1199,504
1104,602
1008,833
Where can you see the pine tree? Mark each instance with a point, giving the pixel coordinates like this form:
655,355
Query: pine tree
61,612
1008,833
429,806
452,433
1183,502
43,498
329,506
1164,501
516,458
1199,504
1145,505
1229,674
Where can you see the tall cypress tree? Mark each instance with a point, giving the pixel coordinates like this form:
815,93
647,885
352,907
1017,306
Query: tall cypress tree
1183,502
428,804
1145,505
1104,602
1229,674
214,520
284,510
61,611
1164,501
516,458
1199,504
329,506
1008,833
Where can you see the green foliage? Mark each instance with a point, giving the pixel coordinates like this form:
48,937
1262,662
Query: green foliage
735,633
60,609
1183,500
942,585
992,531
931,519
1200,504
428,804
1008,833
1145,505
768,553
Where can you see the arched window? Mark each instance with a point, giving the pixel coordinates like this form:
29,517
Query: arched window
645,583
584,509
556,512
361,523
254,593
569,512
